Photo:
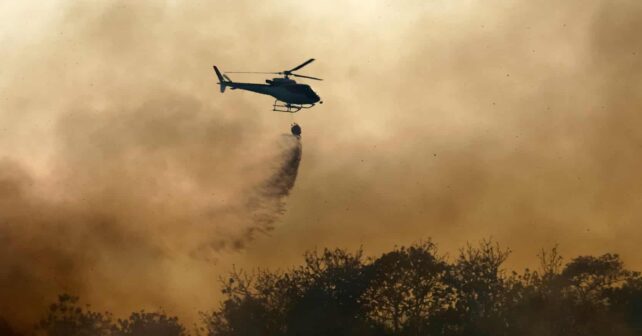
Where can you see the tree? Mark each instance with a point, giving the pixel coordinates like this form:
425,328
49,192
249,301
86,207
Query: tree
479,285
67,318
626,303
534,300
407,292
321,297
588,281
330,285
149,324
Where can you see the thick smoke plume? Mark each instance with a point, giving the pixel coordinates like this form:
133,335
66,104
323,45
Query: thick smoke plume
136,191
125,171
141,181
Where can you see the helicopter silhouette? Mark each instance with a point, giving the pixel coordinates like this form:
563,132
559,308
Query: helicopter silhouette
290,96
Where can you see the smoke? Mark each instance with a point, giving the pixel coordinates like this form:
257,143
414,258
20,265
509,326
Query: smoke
138,190
139,182
125,172
512,120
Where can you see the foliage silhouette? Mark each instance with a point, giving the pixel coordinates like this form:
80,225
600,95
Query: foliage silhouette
67,318
407,291
149,324
415,291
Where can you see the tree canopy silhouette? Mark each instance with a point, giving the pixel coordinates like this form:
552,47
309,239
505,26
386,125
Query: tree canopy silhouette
67,318
416,291
411,290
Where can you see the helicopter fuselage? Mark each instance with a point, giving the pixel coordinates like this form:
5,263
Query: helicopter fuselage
283,89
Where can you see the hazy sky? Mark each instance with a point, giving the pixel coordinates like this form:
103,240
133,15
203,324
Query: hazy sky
456,120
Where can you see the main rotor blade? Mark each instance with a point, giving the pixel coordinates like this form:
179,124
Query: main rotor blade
253,72
302,65
295,75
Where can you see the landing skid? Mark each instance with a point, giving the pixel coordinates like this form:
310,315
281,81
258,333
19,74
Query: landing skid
280,106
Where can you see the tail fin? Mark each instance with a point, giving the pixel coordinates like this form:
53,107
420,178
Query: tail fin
221,79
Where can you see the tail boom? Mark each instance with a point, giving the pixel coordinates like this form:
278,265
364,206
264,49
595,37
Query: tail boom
222,79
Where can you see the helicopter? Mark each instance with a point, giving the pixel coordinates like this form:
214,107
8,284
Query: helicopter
290,96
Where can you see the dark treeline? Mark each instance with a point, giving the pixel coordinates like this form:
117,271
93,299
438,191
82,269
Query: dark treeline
408,291
67,317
